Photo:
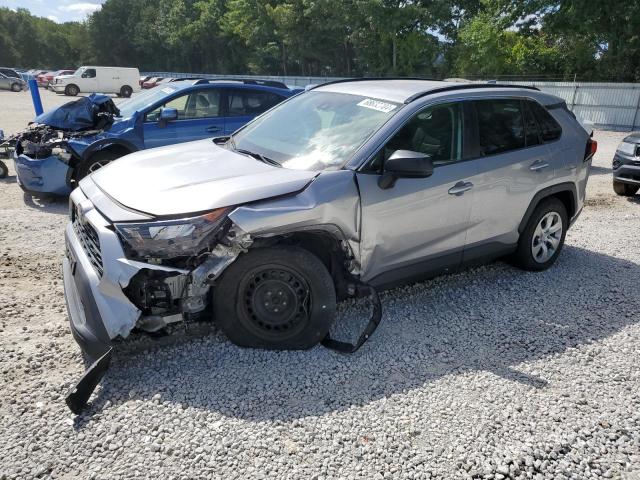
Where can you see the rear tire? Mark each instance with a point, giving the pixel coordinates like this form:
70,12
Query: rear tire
624,189
275,298
71,90
126,91
543,238
4,171
95,162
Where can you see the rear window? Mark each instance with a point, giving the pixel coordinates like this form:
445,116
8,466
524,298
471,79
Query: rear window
500,126
251,102
550,130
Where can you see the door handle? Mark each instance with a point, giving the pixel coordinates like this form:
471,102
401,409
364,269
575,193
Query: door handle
460,187
213,128
538,165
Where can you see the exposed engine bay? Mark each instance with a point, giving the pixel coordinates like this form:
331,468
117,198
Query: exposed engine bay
49,133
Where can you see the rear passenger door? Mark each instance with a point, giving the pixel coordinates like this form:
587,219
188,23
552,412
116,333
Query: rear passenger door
243,105
512,164
199,116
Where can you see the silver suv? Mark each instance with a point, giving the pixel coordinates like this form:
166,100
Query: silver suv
353,183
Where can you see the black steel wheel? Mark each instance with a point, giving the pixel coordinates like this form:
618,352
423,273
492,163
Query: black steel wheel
275,298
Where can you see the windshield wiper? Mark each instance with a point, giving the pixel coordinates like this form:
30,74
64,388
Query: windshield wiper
257,156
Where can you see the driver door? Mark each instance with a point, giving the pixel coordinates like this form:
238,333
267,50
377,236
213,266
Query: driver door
419,225
199,116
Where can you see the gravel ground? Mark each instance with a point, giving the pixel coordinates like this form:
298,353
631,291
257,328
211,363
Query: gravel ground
490,373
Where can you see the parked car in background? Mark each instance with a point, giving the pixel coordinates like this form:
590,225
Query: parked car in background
41,79
371,182
626,166
9,72
47,78
119,80
54,153
151,82
15,84
143,79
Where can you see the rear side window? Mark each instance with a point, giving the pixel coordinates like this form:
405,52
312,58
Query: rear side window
500,126
251,102
532,131
550,130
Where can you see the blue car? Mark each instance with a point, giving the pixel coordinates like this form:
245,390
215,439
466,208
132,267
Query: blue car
66,144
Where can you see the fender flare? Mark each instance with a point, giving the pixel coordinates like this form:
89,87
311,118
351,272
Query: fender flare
545,193
107,142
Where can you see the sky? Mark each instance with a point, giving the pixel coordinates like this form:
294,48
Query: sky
56,10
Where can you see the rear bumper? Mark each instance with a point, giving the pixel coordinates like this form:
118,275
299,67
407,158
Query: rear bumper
44,175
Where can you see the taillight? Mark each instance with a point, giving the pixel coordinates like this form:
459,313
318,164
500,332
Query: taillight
592,148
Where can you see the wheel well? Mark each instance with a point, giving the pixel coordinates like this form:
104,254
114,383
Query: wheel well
566,197
327,248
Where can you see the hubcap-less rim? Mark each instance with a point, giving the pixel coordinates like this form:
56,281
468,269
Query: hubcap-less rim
275,302
546,237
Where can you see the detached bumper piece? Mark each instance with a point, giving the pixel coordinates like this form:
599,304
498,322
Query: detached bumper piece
78,398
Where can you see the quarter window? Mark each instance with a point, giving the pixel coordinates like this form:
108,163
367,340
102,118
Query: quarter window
500,126
251,102
550,129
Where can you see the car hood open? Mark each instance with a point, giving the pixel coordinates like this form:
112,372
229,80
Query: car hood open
193,177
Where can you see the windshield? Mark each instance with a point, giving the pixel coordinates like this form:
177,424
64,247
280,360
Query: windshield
315,130
144,100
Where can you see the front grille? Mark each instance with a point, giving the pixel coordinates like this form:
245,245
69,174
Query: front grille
88,239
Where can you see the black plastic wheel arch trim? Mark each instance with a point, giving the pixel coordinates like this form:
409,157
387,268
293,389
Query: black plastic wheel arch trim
79,395
374,321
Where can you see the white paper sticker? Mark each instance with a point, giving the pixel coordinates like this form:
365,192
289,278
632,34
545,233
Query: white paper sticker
377,105
168,90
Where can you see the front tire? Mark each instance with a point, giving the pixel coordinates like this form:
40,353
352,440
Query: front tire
71,90
275,298
624,189
543,238
16,87
4,171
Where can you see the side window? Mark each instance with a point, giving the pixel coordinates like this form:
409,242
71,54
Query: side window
550,129
203,104
89,73
436,131
251,102
500,126
531,125
179,103
199,104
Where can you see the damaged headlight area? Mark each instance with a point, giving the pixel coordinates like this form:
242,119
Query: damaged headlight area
183,238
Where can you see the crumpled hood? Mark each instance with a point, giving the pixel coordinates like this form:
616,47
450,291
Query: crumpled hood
93,112
193,177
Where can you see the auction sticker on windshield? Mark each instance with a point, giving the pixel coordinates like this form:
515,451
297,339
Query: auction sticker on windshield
377,105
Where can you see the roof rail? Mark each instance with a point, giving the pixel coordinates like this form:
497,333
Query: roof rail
465,86
364,79
247,81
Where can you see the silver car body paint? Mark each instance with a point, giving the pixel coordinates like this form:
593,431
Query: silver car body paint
194,177
416,220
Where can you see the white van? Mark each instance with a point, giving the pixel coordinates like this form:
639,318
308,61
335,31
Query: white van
119,80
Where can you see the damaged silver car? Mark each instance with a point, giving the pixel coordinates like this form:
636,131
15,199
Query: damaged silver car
350,187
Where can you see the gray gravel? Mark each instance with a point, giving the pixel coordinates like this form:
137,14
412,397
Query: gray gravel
491,373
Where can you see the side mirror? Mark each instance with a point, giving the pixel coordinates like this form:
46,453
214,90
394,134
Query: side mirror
167,114
405,164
